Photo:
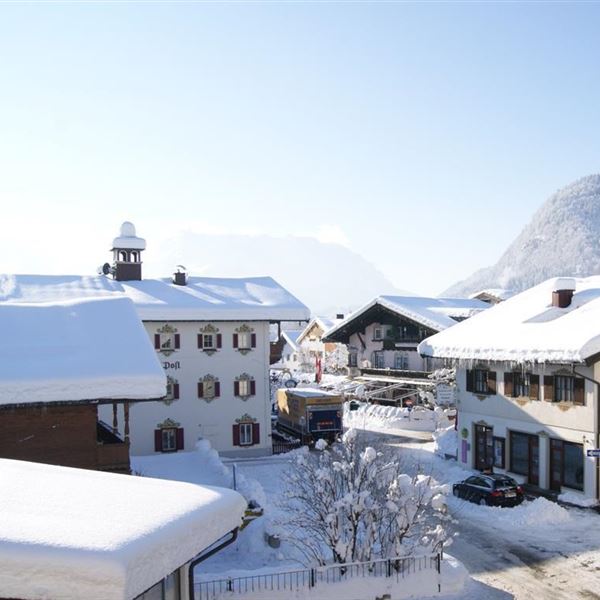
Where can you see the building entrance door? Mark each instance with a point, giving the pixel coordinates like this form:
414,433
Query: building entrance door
484,447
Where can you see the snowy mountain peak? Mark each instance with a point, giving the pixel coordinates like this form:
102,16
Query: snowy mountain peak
563,238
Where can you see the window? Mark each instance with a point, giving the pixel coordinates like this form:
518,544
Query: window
245,434
481,381
209,388
522,384
499,452
564,388
167,340
378,333
244,339
519,385
566,465
168,438
378,360
353,359
244,386
209,340
401,361
172,392
525,456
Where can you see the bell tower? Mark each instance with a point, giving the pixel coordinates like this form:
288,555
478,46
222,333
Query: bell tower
127,250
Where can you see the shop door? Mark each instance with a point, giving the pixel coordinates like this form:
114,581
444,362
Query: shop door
484,447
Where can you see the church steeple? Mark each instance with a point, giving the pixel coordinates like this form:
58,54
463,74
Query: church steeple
127,250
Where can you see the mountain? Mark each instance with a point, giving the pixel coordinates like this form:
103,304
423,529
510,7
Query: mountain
563,238
328,278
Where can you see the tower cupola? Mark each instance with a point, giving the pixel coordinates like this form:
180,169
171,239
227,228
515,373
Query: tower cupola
127,250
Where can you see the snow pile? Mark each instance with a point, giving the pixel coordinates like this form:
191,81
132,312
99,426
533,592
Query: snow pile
577,500
375,416
446,442
74,533
201,466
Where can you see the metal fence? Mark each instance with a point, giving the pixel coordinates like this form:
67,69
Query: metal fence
283,446
398,568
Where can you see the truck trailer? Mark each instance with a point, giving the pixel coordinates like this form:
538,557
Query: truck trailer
309,413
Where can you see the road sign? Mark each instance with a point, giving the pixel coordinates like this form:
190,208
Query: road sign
594,453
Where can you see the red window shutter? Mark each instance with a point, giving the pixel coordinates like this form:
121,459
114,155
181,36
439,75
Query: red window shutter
579,391
469,380
252,387
253,340
157,341
179,438
534,387
235,340
158,440
219,340
236,388
217,389
549,388
176,341
508,384
200,390
491,382
255,433
236,435
176,391
200,341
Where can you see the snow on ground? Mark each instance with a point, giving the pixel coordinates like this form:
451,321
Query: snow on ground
375,417
446,442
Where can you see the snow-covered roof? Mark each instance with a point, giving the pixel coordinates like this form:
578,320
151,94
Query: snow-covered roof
73,533
325,323
128,239
76,350
291,337
527,328
307,392
497,294
435,313
202,299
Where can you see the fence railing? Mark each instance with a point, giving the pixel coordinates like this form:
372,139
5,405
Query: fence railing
398,568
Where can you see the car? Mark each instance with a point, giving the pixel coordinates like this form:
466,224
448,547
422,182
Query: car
489,490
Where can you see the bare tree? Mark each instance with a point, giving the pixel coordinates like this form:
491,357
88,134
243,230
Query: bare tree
349,503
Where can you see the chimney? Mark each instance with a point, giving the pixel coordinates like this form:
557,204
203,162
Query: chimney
180,276
562,293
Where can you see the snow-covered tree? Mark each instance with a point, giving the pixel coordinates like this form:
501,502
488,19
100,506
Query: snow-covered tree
336,361
350,502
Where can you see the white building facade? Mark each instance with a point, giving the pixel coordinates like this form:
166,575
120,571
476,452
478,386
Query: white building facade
528,375
211,336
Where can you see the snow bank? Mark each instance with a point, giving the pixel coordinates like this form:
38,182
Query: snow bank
201,466
446,442
73,533
538,513
392,417
577,499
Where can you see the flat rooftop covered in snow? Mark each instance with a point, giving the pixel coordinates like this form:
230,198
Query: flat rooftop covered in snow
72,533
528,328
305,392
90,349
202,299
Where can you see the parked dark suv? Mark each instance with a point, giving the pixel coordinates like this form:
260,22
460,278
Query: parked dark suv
490,490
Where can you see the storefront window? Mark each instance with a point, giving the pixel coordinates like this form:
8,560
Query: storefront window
519,453
573,465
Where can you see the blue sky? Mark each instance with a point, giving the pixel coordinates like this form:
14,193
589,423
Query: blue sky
423,136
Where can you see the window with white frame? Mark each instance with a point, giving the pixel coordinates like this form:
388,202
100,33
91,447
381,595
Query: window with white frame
209,388
401,361
244,386
172,392
166,339
378,333
379,360
245,434
169,439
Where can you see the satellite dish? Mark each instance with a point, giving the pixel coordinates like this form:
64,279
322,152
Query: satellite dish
106,269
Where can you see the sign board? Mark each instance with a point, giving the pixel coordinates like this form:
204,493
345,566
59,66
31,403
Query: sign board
445,394
594,453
